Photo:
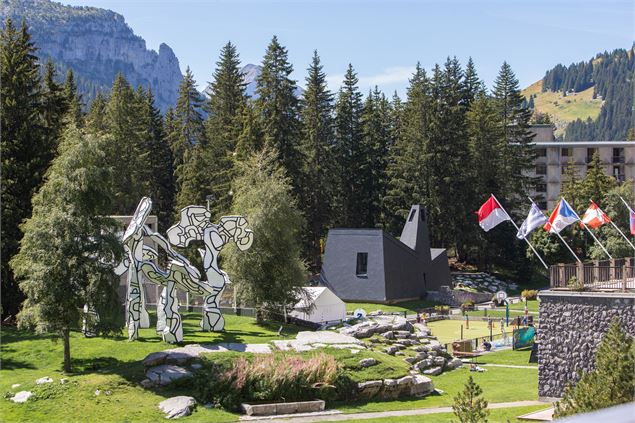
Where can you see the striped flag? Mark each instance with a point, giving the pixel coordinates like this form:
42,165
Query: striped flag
632,215
491,214
535,218
594,216
561,217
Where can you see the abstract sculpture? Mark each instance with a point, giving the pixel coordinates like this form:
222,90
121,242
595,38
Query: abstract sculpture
195,225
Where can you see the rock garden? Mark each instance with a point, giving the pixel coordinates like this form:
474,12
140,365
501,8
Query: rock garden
481,282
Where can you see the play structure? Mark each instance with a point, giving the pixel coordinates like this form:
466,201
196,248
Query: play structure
140,261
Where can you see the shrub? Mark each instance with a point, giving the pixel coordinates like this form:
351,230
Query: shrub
529,294
467,305
575,284
469,406
272,377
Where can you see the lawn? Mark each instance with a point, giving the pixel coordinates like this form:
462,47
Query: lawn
495,416
410,307
448,331
108,365
511,357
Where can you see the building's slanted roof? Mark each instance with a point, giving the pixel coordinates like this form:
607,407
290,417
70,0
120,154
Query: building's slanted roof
313,293
436,252
542,144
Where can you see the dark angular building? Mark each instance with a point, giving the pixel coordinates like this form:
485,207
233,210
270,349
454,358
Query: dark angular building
371,265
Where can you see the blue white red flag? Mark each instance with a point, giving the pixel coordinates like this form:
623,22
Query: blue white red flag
632,213
561,217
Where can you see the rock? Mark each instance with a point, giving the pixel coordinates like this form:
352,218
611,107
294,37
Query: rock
196,366
389,383
410,360
438,361
423,364
406,380
166,374
176,407
391,350
454,363
421,356
21,396
97,392
400,353
63,381
42,380
15,385
399,346
388,335
367,362
146,383
434,371
154,359
421,386
370,388
432,353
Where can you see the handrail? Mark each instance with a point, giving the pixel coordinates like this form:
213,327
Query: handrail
615,274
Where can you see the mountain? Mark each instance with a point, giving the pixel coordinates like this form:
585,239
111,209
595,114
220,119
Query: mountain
250,73
96,44
589,100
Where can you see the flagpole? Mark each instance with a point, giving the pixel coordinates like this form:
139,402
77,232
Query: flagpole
626,204
525,238
592,234
622,233
562,239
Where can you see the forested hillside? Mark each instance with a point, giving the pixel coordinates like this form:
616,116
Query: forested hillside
609,77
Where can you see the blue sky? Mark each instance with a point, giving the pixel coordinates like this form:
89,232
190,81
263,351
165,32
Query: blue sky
383,39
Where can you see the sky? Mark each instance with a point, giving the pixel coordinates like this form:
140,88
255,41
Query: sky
383,40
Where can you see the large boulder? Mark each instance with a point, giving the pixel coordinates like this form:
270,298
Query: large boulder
166,374
434,371
367,362
21,396
421,385
454,363
176,407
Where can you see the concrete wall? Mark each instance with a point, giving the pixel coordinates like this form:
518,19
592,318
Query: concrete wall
571,327
404,270
340,261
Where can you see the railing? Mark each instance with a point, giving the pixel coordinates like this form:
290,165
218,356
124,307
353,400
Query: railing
616,274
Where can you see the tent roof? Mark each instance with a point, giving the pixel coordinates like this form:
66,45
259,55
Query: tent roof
314,292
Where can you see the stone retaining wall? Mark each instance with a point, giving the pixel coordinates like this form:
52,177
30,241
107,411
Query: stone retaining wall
456,297
571,327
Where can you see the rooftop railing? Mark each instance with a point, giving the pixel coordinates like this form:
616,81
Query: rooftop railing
606,275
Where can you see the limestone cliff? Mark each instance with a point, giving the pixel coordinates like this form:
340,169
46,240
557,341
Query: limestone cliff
96,44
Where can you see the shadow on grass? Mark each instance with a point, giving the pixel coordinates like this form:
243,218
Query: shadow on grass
12,364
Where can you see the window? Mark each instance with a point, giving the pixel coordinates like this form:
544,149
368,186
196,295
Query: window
362,264
541,187
618,155
541,169
542,205
541,152
412,215
566,152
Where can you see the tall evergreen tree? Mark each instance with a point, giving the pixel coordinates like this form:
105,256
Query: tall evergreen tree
95,116
250,139
278,108
24,148
73,98
318,183
53,108
348,149
223,125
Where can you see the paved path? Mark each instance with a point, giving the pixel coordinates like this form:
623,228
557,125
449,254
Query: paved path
383,414
511,366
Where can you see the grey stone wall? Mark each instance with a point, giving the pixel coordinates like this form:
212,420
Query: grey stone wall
571,327
457,297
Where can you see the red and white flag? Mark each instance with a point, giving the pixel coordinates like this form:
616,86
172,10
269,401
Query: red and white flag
594,216
491,214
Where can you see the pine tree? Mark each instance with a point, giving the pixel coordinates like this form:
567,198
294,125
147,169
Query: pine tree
610,383
73,99
53,108
223,125
251,136
95,117
468,405
348,149
271,273
67,244
25,150
407,164
278,108
472,85
317,187
125,152
187,130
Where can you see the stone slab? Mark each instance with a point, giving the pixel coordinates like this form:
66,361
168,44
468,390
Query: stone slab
177,407
273,409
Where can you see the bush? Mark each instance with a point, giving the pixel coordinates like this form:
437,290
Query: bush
272,377
467,305
529,294
575,284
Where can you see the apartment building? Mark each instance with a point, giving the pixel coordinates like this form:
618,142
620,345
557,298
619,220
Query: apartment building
553,157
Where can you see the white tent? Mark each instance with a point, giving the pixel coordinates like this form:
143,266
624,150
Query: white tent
327,306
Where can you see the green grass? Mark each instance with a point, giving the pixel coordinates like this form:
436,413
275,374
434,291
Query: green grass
531,306
448,331
410,307
499,384
495,416
105,364
516,358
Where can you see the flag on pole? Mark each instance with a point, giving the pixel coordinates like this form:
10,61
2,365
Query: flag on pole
561,217
491,214
632,215
535,218
594,216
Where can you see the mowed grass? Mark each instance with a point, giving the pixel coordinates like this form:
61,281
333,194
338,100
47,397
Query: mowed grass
410,307
107,364
563,110
508,357
499,384
448,331
495,416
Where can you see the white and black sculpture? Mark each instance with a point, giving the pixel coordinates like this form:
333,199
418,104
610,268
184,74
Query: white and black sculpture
195,225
